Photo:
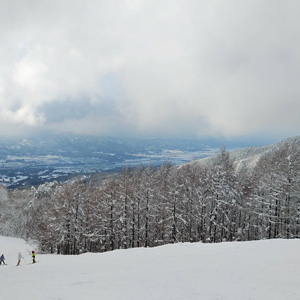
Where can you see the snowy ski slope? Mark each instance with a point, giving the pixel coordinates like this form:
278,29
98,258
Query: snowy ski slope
259,270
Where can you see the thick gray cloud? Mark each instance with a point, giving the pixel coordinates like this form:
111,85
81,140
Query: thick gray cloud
137,67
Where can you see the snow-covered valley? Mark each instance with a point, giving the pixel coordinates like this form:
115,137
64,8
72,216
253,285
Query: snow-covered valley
39,159
257,270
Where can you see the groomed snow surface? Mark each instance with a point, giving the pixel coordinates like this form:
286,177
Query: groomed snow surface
260,270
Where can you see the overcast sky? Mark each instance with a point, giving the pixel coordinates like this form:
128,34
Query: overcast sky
150,68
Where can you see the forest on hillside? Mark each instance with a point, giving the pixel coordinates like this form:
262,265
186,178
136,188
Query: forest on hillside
146,207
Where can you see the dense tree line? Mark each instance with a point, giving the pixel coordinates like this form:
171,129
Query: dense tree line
147,207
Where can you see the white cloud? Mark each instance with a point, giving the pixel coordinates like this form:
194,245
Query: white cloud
24,115
162,67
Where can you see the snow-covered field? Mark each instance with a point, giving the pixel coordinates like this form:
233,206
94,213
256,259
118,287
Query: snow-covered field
260,270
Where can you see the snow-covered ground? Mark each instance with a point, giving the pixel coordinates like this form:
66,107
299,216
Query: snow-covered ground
260,270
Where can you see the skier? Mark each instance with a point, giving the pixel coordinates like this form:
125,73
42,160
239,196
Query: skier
19,258
2,259
33,256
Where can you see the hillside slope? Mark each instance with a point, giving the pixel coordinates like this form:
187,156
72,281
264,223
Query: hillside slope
260,270
247,158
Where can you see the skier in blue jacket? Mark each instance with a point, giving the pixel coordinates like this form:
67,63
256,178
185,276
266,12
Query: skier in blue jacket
2,259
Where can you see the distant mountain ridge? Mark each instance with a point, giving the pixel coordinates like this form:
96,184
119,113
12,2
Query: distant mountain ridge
247,158
44,158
